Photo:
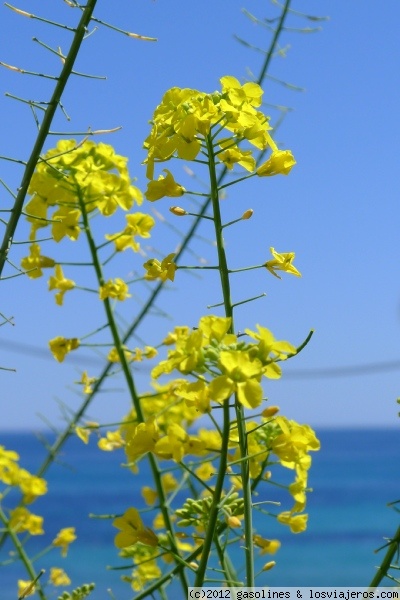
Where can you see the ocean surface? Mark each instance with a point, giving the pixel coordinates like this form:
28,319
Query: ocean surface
354,476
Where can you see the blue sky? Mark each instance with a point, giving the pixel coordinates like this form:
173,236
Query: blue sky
337,210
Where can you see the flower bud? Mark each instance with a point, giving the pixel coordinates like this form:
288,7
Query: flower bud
269,565
270,411
178,211
233,522
247,214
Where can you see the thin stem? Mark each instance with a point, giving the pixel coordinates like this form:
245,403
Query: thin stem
130,383
223,269
22,554
245,472
384,567
44,129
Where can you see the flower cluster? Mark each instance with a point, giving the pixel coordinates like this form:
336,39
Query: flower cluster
186,118
21,521
71,180
71,174
237,366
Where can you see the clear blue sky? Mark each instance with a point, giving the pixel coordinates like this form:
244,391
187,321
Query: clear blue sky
338,209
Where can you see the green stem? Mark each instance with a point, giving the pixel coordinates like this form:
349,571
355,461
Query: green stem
44,129
22,554
240,417
384,567
119,345
225,284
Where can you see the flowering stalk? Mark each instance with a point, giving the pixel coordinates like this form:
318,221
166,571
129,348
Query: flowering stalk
22,554
50,111
129,381
225,285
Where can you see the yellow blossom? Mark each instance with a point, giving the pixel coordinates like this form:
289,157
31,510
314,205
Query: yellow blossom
61,346
87,382
113,355
31,486
206,471
21,519
83,434
177,444
59,577
34,263
165,186
145,572
164,270
282,262
267,546
238,94
64,538
116,288
169,482
112,441
137,224
142,440
270,350
25,588
149,495
242,375
235,155
297,523
279,163
36,214
59,282
133,530
66,223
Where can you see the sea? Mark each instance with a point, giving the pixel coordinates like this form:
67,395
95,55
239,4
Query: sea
354,477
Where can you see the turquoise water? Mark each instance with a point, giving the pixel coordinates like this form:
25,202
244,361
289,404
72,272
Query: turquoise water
354,476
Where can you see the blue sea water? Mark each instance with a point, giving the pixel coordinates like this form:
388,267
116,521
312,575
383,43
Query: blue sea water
354,476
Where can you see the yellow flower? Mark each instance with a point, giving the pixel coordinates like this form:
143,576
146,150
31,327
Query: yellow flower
138,224
61,346
142,440
282,262
59,282
23,520
34,263
231,156
67,223
279,163
25,588
165,186
31,486
177,443
169,482
37,207
149,495
267,546
269,565
238,94
297,523
64,538
112,441
87,382
83,434
59,577
116,288
145,572
160,270
133,530
242,375
269,350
